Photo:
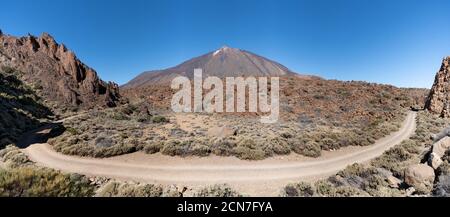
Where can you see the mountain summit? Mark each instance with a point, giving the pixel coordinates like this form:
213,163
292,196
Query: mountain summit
224,62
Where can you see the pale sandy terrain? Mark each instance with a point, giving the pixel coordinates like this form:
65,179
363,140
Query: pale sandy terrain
254,178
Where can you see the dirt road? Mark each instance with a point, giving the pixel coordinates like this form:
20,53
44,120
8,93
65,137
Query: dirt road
260,178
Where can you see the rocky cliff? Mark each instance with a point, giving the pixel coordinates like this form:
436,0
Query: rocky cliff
438,100
56,71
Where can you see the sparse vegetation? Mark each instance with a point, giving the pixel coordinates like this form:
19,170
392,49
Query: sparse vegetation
36,182
13,157
117,189
217,191
301,189
374,179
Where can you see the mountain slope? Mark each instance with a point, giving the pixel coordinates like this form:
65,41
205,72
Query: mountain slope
225,62
21,108
63,80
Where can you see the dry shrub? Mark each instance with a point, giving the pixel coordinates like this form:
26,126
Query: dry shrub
116,189
33,182
222,190
248,149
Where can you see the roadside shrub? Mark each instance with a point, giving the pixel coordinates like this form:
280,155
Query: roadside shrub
13,157
153,147
392,159
324,188
116,189
30,182
411,146
247,149
353,170
173,148
309,149
223,147
301,189
199,147
217,191
279,146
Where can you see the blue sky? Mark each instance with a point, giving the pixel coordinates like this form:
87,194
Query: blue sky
394,42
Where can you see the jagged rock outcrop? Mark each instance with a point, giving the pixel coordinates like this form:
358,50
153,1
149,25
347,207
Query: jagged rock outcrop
56,71
438,100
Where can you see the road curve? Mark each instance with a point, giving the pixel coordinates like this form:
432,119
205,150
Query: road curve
260,178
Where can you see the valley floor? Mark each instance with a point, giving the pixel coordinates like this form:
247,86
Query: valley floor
254,178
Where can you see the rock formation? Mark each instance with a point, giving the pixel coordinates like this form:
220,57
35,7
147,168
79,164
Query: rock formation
56,71
438,100
421,177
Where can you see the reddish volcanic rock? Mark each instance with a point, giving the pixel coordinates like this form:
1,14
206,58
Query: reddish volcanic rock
63,78
439,98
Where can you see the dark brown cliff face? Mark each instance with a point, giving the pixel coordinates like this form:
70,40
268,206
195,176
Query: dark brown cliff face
438,100
57,72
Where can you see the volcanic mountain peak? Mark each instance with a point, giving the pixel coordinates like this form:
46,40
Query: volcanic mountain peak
224,62
225,49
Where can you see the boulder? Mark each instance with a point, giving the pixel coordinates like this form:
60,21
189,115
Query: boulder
441,146
434,160
393,182
421,177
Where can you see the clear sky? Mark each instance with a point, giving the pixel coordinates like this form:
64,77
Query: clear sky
394,42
